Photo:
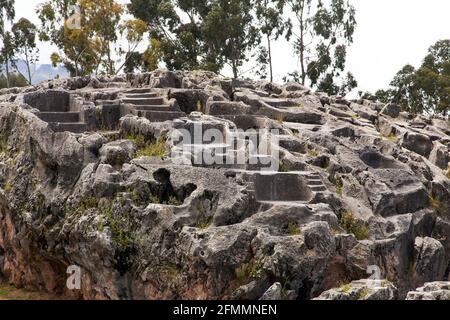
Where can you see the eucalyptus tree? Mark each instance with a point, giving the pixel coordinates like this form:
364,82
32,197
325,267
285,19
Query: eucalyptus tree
321,31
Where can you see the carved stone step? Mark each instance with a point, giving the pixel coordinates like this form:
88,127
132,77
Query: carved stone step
144,101
77,127
64,117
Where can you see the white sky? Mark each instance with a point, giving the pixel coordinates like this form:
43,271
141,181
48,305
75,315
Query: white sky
390,34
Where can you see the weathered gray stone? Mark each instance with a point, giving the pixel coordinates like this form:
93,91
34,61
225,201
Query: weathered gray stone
361,185
366,289
431,291
417,143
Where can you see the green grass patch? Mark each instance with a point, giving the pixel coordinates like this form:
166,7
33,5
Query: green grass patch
282,167
204,223
439,207
353,226
7,187
391,137
144,148
313,153
249,271
293,229
3,146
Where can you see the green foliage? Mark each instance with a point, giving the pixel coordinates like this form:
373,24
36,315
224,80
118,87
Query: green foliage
168,272
153,199
272,25
3,145
25,44
154,149
422,90
391,137
199,34
353,226
280,118
362,294
293,229
7,13
313,152
345,288
339,188
282,167
321,33
7,187
90,48
439,206
119,225
173,201
15,80
204,223
86,203
146,148
248,271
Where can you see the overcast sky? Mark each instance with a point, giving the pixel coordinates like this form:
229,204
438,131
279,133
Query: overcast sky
390,34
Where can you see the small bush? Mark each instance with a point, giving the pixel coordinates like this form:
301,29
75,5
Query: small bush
339,188
198,106
280,118
362,294
249,271
153,199
3,146
173,201
155,149
293,229
313,153
353,226
391,137
282,168
7,187
345,287
204,223
438,206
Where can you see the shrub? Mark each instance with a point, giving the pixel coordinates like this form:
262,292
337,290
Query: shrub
248,271
282,168
3,146
7,187
438,206
204,223
154,149
293,229
339,188
353,226
313,153
280,118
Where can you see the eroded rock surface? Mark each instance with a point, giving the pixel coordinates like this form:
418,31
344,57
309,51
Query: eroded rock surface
88,179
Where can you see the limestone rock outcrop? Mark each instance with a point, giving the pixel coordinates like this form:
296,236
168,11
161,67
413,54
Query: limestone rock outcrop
94,175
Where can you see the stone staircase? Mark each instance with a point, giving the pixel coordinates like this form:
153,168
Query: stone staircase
64,121
145,103
287,187
315,183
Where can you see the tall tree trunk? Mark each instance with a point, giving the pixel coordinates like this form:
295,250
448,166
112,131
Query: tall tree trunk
235,69
28,67
7,72
302,44
269,47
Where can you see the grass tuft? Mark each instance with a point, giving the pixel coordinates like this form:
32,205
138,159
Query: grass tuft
353,226
293,229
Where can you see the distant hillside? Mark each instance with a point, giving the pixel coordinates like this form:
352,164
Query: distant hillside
42,72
